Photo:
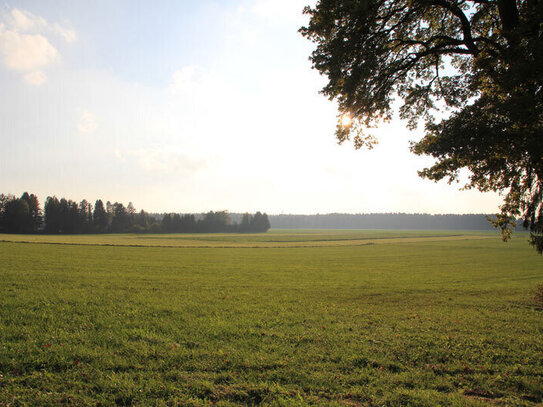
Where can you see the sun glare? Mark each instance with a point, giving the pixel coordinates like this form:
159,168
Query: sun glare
346,120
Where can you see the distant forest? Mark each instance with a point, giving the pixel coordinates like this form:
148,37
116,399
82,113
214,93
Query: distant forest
64,216
383,221
24,215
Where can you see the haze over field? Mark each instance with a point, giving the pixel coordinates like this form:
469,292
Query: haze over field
189,107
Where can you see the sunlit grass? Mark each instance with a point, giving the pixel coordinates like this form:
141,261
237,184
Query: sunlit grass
273,238
435,321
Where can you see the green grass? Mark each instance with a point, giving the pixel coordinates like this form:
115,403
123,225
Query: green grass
273,238
355,318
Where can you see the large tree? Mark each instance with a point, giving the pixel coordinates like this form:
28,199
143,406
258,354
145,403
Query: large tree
473,70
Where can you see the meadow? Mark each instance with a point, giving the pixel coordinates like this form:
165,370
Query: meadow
313,317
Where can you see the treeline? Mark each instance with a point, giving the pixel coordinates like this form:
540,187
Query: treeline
64,216
382,221
214,222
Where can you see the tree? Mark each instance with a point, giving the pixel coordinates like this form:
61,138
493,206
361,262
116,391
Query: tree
260,223
142,220
34,222
52,215
16,216
215,222
473,70
100,217
176,223
69,216
130,208
265,222
167,223
4,199
121,221
188,223
85,217
245,225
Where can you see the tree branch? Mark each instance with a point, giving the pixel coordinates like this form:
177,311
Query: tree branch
464,22
509,17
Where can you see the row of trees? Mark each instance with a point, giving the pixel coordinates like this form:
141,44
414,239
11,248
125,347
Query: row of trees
67,216
215,222
24,215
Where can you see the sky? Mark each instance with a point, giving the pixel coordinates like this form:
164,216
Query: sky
191,106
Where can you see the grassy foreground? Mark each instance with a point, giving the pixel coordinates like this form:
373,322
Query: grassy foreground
285,318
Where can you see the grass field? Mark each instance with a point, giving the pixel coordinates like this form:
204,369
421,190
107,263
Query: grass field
273,238
282,318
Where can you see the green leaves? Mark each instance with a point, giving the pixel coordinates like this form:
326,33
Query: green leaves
483,60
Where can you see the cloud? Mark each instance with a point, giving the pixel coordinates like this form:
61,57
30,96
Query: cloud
26,22
35,78
25,44
69,35
183,79
164,159
26,52
87,122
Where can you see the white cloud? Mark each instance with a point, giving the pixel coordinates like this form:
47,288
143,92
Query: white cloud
87,122
26,52
183,79
25,44
24,21
164,159
69,35
35,78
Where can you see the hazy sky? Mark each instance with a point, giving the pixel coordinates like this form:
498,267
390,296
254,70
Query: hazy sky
190,106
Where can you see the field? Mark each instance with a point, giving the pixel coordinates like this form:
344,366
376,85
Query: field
283,318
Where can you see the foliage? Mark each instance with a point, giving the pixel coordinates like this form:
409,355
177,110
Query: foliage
68,217
393,323
99,216
215,222
34,212
479,60
22,215
121,220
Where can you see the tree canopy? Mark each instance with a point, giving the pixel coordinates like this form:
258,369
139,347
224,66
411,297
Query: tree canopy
64,216
472,70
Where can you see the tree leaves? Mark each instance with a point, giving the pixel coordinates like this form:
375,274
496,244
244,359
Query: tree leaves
482,59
